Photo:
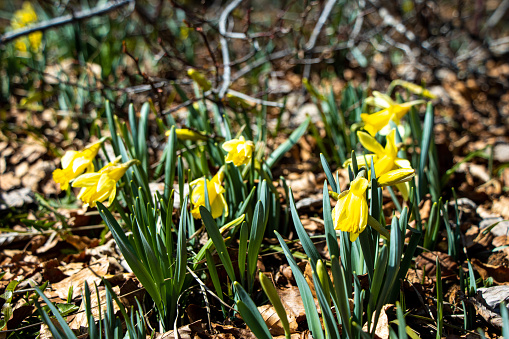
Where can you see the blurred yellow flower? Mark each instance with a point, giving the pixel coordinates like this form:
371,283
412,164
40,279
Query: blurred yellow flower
416,89
22,18
239,151
351,211
391,111
75,163
199,79
215,192
103,184
187,134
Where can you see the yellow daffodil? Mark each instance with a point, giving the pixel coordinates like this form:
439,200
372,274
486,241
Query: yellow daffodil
391,111
199,79
103,184
384,159
239,151
215,191
22,18
187,134
75,163
416,89
351,211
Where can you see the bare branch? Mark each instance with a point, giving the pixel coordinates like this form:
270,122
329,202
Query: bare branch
224,46
64,20
316,31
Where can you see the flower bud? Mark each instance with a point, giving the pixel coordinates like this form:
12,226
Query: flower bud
395,177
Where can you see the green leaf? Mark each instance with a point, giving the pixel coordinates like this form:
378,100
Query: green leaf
341,294
69,334
306,241
308,302
332,330
255,241
289,143
181,260
328,174
169,169
253,319
330,232
130,254
440,301
270,291
427,134
218,241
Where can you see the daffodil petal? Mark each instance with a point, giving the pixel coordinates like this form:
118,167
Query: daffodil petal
86,180
370,143
402,163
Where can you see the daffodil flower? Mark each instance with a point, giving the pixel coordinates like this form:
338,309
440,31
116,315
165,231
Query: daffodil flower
215,191
103,184
416,89
187,134
384,159
391,111
22,18
199,79
239,151
75,163
351,211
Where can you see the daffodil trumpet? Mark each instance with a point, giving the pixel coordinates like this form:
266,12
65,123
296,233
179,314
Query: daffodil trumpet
240,151
351,211
215,192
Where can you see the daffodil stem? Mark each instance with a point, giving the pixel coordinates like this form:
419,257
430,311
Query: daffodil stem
379,228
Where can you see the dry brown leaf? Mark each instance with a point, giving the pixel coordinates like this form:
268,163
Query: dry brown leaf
501,206
292,302
382,327
500,274
427,261
502,240
273,321
81,242
92,274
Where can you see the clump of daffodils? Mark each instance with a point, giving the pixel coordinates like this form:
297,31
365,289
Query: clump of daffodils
75,163
23,18
215,192
239,151
97,187
380,122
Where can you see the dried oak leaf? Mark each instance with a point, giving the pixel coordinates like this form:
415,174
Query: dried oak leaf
92,274
273,321
500,274
427,261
